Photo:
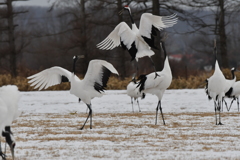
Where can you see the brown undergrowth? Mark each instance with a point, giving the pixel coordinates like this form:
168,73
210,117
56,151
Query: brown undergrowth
115,82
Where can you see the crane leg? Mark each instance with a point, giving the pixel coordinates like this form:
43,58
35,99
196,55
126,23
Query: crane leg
157,113
1,153
138,106
89,115
238,103
231,104
219,110
225,104
132,105
160,107
215,108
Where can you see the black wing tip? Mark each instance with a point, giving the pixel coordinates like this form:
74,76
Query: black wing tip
229,92
132,51
105,77
143,95
98,87
64,79
141,83
150,42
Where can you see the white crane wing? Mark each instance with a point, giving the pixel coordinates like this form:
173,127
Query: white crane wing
149,23
49,77
98,74
121,35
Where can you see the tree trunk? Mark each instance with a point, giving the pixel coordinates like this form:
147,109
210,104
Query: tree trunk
84,38
11,39
120,50
222,35
157,58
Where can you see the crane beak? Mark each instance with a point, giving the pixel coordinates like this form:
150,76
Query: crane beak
80,56
120,12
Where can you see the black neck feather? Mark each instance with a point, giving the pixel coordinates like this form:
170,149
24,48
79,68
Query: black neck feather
131,16
164,50
74,65
233,75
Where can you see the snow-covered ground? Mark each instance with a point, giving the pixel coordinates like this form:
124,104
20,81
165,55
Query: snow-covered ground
48,127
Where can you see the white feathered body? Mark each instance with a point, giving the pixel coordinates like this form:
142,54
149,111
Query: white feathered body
9,98
133,91
235,89
86,94
217,84
157,85
229,83
83,89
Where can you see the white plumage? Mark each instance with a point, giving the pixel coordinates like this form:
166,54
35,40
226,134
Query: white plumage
215,87
9,98
138,42
230,82
228,86
157,85
134,92
93,84
234,93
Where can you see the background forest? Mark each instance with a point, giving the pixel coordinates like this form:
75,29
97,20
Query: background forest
33,38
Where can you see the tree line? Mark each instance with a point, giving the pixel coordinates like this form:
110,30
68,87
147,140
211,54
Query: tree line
39,37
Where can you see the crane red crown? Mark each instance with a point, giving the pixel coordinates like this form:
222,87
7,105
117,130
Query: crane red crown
126,6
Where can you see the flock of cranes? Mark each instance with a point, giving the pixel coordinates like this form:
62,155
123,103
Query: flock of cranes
138,42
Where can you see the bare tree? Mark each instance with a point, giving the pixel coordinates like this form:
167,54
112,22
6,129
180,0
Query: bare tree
211,18
11,36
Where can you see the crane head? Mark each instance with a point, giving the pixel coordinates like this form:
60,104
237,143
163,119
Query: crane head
10,141
126,7
233,69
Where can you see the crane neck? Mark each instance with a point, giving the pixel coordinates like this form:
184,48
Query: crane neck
166,66
129,11
74,65
164,50
215,52
233,75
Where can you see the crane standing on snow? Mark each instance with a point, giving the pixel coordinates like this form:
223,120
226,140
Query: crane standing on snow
93,84
9,98
157,85
215,87
134,93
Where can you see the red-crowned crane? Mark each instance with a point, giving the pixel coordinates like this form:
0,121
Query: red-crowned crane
215,87
234,93
9,98
138,42
93,84
229,84
157,85
133,92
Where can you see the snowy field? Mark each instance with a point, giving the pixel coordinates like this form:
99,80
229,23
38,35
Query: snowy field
48,128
